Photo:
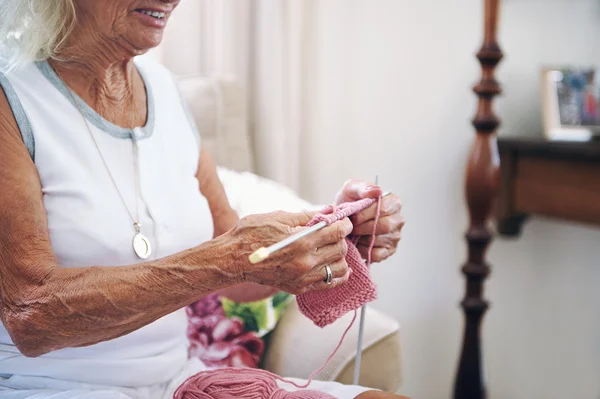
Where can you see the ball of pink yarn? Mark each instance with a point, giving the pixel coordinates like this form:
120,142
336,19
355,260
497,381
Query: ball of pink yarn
321,307
243,383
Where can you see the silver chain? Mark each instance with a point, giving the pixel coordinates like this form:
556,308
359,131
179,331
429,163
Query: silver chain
136,221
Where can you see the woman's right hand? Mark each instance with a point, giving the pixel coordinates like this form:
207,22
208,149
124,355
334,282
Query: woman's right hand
298,268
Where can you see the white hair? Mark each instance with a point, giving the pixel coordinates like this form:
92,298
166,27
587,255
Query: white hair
32,30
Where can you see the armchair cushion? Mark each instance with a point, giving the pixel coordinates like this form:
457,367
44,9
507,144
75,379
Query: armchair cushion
297,348
217,105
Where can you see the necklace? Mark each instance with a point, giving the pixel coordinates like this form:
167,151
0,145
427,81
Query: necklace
140,243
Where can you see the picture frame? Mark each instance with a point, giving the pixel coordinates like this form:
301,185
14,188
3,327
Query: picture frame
571,103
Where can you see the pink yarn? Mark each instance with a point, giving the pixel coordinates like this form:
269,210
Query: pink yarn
242,383
249,383
334,213
322,308
325,307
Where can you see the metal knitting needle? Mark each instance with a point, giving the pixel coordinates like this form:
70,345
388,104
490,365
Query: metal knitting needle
263,253
361,330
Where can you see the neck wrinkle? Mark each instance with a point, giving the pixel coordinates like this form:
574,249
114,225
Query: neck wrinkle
114,90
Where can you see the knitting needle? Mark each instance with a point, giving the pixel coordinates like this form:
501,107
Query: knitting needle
361,330
263,253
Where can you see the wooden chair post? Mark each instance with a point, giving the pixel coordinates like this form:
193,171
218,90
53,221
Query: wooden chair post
482,181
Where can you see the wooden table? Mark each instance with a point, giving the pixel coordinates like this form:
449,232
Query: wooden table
549,178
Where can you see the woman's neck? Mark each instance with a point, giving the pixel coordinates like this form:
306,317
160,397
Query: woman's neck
110,85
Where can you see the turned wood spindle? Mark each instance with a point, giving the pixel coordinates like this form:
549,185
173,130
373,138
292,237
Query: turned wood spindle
482,181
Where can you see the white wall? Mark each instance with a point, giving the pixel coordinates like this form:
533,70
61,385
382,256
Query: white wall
390,95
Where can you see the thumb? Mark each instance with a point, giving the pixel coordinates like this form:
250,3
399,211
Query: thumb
297,219
354,190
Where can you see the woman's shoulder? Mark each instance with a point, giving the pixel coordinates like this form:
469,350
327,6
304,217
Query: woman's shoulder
23,72
13,117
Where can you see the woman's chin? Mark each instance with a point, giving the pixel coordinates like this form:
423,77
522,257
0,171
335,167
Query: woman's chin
141,44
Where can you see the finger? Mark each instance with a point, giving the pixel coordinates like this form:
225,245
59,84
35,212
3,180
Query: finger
355,189
385,225
331,253
319,273
298,219
336,282
390,204
377,254
389,240
331,234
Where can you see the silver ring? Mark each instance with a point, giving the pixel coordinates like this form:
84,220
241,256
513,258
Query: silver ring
329,277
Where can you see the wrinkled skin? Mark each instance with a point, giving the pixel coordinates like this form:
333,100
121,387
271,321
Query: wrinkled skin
46,307
389,225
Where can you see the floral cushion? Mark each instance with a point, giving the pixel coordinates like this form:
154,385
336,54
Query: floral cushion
224,333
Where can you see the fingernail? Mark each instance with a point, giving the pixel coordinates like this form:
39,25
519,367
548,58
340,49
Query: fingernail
371,188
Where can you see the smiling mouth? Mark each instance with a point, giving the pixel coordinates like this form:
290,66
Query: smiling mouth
153,14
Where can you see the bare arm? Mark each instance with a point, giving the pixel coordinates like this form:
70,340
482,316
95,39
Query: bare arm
45,307
224,219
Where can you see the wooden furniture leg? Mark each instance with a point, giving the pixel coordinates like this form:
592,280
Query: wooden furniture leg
482,181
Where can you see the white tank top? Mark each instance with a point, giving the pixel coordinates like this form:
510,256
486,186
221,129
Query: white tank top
88,222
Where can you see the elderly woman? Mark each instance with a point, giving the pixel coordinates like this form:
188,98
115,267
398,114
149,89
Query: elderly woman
112,217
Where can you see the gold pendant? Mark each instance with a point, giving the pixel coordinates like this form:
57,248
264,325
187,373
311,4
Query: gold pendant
141,244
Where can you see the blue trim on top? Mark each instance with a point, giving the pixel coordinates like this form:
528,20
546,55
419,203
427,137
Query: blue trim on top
91,115
19,114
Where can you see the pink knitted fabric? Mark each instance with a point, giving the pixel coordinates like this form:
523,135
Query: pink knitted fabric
325,307
322,308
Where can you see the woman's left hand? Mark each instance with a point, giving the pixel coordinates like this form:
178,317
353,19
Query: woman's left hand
389,227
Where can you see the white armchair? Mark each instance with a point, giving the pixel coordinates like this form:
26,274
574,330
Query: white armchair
297,346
